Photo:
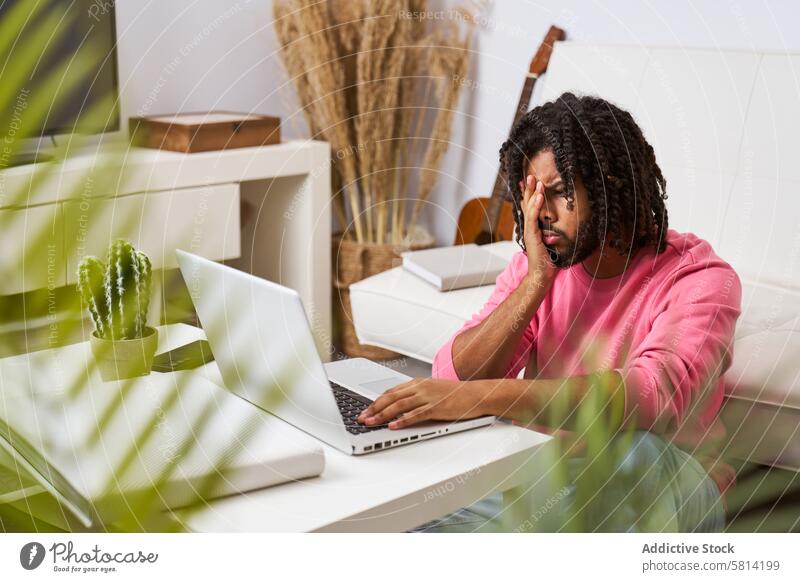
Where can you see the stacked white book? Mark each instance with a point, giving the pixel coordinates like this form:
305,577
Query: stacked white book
456,267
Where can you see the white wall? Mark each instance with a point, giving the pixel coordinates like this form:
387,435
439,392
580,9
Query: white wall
195,55
201,54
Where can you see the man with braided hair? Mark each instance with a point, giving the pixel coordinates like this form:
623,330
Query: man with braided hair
604,298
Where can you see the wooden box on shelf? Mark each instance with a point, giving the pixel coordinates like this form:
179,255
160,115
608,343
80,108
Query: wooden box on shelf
204,131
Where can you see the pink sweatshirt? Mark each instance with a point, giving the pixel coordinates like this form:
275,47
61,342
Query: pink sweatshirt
668,317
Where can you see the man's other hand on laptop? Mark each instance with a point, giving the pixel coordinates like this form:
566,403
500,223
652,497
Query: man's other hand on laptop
428,399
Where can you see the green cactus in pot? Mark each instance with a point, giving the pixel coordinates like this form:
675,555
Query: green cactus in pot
117,295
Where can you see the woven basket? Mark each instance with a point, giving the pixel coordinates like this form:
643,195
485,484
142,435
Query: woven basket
352,262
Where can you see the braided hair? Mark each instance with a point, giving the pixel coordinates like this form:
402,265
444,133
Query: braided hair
601,143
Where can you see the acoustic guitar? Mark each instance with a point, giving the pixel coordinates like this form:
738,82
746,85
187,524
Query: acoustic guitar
486,220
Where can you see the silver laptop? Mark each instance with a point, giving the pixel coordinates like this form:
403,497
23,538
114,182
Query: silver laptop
264,347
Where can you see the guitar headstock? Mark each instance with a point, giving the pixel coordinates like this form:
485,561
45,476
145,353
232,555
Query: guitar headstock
542,57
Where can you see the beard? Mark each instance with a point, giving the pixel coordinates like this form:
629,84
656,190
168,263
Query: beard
573,251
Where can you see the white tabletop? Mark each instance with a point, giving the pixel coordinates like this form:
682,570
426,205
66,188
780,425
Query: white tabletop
390,490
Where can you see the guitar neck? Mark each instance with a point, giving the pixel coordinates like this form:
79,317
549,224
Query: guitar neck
499,190
538,66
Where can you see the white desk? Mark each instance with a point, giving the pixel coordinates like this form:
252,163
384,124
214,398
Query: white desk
392,490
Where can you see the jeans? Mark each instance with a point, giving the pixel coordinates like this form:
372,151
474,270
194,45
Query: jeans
668,482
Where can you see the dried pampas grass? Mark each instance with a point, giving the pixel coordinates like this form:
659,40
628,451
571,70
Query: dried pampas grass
377,83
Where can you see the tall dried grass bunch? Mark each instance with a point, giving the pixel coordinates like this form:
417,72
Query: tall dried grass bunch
379,80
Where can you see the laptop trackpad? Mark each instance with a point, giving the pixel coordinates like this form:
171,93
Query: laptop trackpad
375,388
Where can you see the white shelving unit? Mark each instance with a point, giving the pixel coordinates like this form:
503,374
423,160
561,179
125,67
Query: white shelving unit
265,210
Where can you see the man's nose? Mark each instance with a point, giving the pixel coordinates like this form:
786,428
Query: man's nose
547,213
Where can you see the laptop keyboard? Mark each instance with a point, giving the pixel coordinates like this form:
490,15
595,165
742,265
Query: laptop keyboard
350,406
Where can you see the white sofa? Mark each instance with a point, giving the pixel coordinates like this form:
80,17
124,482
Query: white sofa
724,125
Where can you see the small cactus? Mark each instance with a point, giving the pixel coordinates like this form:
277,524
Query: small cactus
90,281
117,294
